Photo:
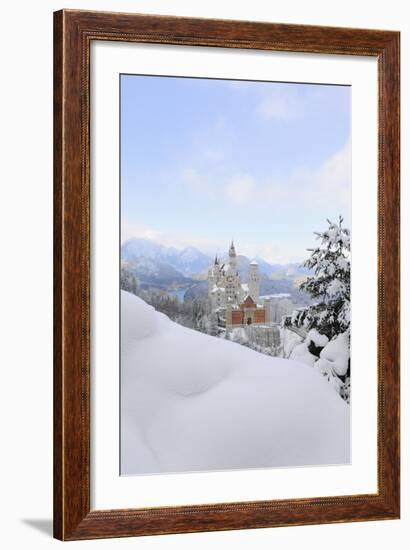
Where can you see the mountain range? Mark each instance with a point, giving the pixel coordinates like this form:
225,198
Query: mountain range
187,261
160,266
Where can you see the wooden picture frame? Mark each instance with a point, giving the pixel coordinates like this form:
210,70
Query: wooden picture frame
74,32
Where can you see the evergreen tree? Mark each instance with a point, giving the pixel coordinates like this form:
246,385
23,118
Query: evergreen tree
128,281
330,314
213,324
329,284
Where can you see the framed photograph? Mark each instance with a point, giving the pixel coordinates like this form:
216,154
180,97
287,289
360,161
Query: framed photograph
226,275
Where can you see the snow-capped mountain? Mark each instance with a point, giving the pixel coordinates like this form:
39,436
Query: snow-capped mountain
157,265
153,271
135,248
190,260
187,261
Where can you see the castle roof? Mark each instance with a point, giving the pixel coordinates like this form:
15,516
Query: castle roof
253,262
248,301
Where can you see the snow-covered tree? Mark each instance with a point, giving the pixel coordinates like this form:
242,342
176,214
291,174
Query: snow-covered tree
213,324
329,284
327,320
199,317
128,281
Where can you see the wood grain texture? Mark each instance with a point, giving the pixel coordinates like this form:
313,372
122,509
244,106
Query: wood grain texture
73,33
58,279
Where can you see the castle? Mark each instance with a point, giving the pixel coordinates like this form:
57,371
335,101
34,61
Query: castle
236,303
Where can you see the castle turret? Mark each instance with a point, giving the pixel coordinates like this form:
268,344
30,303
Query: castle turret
267,306
232,256
254,281
213,273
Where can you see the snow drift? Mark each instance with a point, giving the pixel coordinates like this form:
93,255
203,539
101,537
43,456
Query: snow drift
192,402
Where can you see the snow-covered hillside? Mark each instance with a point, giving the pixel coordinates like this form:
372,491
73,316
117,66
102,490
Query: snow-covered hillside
192,402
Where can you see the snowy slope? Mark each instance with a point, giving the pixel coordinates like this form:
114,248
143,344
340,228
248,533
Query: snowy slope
192,402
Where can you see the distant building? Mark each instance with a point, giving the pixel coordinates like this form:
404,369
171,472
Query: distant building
247,313
279,306
236,303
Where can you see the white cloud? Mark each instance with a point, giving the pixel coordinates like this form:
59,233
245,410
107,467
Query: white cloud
272,100
289,103
129,231
132,230
240,190
272,253
198,182
334,177
277,106
266,250
326,188
328,183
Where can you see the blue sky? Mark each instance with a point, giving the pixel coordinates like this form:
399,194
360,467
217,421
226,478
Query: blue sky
204,160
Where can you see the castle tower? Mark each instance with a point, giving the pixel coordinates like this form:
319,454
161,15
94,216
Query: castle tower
211,281
213,275
233,283
254,281
232,256
267,306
